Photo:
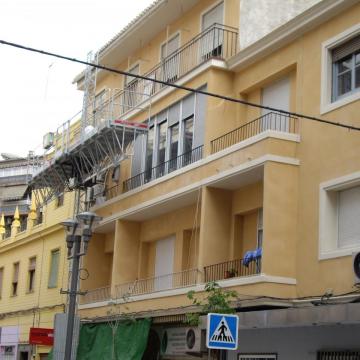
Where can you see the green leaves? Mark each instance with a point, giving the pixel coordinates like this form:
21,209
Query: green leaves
216,300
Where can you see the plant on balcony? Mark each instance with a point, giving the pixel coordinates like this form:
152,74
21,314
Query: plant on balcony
230,273
216,300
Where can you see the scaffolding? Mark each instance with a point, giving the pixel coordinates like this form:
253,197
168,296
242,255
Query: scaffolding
79,153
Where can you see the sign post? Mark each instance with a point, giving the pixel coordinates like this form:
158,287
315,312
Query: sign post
222,331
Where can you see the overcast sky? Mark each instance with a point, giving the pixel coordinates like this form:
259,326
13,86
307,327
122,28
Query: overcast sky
36,91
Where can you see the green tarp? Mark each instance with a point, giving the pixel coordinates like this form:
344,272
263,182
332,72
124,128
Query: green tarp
104,342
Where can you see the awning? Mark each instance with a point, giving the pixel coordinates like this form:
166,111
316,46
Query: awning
10,209
12,192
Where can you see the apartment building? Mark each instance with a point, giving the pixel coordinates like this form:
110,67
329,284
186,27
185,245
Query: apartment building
200,188
33,265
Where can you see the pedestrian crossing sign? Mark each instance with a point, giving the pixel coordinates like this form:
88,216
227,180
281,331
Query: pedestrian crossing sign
222,331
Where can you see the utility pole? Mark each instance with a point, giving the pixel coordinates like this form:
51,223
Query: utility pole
72,296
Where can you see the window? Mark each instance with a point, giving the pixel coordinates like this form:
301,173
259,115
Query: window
149,153
260,228
59,201
338,355
1,280
257,357
188,137
346,69
161,153
340,73
212,39
15,280
170,60
54,268
339,226
131,93
174,142
31,274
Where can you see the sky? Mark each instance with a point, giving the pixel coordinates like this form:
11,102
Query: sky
36,91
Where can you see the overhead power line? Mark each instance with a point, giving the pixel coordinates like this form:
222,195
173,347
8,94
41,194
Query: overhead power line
180,87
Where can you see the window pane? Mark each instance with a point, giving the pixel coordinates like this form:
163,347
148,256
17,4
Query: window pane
54,268
188,134
174,134
345,64
357,77
357,58
344,83
162,143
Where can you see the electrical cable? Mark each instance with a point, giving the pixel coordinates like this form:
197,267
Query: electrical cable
180,87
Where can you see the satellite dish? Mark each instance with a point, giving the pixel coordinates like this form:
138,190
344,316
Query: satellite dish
356,266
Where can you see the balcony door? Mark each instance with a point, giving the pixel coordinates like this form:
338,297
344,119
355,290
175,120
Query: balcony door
170,60
276,95
213,37
164,263
131,93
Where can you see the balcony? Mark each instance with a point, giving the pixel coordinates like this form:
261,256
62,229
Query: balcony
271,121
96,295
231,269
216,42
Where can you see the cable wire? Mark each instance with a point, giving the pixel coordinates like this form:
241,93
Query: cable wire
180,87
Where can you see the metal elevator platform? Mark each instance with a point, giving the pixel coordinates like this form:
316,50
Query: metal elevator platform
78,163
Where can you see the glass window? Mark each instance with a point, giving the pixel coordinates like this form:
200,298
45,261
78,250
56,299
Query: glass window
188,134
346,75
149,153
161,143
15,280
31,274
54,268
174,143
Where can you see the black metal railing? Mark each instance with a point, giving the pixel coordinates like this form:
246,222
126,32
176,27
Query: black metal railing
230,269
271,121
218,41
7,233
23,226
156,172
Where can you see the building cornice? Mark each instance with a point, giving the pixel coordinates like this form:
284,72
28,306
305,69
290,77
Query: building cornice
290,31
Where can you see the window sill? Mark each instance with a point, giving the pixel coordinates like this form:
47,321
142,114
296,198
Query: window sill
325,108
337,253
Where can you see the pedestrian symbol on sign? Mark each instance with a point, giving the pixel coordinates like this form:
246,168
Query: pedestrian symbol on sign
222,331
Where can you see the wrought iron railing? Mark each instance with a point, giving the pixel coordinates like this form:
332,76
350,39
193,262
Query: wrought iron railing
7,233
156,172
23,226
165,282
218,41
271,121
230,269
96,295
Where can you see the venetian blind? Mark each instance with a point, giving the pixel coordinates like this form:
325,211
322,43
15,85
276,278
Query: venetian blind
346,49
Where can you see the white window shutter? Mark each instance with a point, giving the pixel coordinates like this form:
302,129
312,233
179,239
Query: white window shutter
349,217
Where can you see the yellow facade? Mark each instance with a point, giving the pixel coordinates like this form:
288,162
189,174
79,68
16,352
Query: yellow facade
260,186
215,202
36,305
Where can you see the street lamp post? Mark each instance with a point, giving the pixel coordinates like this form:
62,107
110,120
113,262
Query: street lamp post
74,240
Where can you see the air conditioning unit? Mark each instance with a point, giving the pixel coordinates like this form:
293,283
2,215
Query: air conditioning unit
181,341
356,267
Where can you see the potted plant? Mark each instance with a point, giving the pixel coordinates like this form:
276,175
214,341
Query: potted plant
230,273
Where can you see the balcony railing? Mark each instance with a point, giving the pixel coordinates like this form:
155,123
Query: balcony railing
7,233
271,121
156,172
218,41
231,269
154,284
23,226
96,295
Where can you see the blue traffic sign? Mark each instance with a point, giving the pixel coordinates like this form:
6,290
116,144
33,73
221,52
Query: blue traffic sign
222,331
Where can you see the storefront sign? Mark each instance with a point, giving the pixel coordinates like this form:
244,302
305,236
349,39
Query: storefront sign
40,336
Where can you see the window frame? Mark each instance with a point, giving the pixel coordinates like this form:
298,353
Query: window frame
31,276
327,103
328,216
50,286
15,290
